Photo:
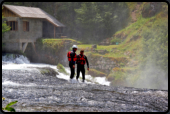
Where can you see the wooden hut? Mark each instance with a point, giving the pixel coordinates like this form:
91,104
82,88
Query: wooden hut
28,24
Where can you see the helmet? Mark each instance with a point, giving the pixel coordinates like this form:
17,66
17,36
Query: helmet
74,46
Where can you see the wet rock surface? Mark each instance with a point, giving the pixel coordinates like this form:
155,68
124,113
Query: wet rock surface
37,92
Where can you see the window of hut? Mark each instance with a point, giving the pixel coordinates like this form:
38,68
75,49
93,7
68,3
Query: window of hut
13,25
25,26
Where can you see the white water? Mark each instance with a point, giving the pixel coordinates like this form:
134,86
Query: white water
23,63
6,82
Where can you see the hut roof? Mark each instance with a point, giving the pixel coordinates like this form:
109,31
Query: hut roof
33,12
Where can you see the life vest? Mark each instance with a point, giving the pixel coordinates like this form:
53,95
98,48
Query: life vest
81,60
69,57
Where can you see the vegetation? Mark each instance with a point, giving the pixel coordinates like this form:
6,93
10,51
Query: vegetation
94,72
115,40
48,71
54,44
88,22
5,28
7,107
146,44
61,69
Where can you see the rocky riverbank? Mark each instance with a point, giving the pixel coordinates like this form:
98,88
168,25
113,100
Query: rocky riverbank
42,92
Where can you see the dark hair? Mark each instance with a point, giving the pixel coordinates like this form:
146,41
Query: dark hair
82,50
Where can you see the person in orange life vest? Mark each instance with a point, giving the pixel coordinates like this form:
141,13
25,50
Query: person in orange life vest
81,61
72,58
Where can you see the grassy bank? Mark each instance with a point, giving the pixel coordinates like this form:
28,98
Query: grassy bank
138,42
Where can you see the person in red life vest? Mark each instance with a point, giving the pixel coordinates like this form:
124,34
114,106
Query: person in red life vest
72,59
81,61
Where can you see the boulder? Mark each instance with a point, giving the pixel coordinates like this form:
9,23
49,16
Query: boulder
94,46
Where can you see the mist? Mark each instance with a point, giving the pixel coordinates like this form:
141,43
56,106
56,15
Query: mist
152,77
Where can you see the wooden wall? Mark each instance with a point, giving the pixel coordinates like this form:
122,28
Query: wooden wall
8,13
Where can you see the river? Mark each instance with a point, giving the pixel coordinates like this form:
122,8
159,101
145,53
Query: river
36,92
22,62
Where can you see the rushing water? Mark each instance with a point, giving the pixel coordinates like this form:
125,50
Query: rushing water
21,62
23,81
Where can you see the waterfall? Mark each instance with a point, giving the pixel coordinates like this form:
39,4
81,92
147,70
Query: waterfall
17,59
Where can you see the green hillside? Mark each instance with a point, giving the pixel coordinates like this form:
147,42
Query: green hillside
145,44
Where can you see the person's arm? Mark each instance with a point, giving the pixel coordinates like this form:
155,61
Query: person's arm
72,56
87,62
76,60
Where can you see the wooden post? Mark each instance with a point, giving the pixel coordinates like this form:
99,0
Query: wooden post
54,31
24,47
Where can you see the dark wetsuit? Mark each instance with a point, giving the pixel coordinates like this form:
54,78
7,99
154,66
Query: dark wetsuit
81,68
71,63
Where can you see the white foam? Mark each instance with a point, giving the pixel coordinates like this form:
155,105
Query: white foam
63,76
19,60
16,84
100,80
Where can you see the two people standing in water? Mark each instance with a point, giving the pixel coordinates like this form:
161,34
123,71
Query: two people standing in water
80,60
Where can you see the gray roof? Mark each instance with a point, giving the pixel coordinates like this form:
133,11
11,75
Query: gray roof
33,12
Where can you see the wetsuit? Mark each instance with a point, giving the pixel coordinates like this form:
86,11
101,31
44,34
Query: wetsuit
81,68
71,63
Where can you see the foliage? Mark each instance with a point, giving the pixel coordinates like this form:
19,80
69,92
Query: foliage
115,40
61,69
94,72
5,28
98,19
155,42
48,71
150,49
53,45
86,21
8,108
115,76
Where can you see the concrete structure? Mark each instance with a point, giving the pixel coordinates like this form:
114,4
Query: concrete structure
27,25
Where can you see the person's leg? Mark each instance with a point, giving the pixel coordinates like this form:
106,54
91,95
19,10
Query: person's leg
78,72
83,73
72,72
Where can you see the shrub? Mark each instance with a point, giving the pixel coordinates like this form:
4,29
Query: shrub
115,40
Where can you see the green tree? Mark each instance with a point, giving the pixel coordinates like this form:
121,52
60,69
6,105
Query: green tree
100,20
5,28
88,21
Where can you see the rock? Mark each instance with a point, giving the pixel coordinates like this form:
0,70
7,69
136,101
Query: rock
102,52
94,46
47,71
